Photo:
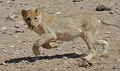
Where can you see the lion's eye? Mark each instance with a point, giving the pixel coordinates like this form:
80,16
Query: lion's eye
35,18
28,19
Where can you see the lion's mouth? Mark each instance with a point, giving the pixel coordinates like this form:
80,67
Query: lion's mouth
32,27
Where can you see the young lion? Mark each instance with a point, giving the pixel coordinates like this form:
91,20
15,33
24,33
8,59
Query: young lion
51,28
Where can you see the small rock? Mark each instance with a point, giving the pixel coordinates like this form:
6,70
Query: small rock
19,31
23,4
15,52
3,47
15,36
4,28
23,40
46,61
5,51
107,32
2,63
77,0
17,26
56,69
58,49
12,46
102,8
23,61
1,1
20,66
31,8
83,63
118,59
11,17
8,1
101,59
29,39
58,13
111,12
68,67
64,57
114,67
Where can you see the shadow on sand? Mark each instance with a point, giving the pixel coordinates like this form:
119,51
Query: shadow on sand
32,59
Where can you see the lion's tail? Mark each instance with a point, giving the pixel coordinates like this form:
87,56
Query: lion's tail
105,23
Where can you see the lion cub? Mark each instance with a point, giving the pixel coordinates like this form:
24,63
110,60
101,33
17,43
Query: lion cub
52,28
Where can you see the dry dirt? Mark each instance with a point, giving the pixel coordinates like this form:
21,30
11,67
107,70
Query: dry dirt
16,40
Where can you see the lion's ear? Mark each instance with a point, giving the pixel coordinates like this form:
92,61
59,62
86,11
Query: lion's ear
24,12
37,11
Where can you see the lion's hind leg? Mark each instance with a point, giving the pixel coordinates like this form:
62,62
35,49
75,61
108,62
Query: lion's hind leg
104,43
90,41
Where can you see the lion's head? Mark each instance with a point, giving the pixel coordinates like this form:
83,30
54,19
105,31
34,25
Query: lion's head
32,18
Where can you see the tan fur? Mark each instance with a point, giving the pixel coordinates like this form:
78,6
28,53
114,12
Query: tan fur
51,28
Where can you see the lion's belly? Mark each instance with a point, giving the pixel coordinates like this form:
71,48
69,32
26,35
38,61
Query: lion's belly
68,35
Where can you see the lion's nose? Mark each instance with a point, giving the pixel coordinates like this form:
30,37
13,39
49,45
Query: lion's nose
32,27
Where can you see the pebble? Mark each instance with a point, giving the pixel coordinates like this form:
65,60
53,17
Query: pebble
58,49
68,67
4,28
15,36
102,8
101,59
20,66
58,13
1,0
107,32
2,63
12,46
46,61
114,67
3,47
19,31
23,4
118,59
15,52
11,17
77,0
25,61
64,57
8,1
83,63
17,26
55,69
111,12
5,51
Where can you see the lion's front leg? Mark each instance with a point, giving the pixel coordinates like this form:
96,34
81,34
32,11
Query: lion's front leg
35,49
50,45
44,38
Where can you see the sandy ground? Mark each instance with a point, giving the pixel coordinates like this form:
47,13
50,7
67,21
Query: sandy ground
16,40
